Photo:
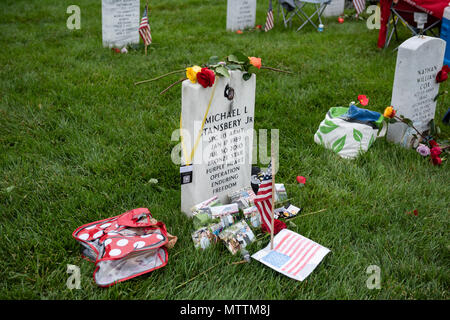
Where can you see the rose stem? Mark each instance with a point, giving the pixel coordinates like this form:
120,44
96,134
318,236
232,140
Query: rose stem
176,82
164,75
274,69
411,125
184,283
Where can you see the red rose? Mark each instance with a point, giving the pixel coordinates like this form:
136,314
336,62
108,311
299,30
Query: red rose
278,225
206,77
443,74
436,161
435,152
433,143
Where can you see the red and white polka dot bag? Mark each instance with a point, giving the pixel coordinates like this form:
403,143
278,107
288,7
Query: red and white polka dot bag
125,246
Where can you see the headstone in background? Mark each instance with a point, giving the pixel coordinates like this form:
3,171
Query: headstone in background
120,22
223,159
419,59
334,9
241,14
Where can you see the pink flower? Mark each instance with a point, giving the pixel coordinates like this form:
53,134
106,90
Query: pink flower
423,150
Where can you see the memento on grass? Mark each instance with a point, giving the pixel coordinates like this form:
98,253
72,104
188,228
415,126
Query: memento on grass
120,22
419,59
292,254
350,131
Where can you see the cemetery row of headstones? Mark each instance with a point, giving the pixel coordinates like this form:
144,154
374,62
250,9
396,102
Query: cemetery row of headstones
120,18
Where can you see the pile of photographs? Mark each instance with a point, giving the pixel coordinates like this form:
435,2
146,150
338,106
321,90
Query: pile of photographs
230,223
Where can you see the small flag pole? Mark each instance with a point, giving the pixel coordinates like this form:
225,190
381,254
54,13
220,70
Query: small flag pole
148,18
273,195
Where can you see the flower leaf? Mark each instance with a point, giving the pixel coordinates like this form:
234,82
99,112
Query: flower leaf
221,70
234,67
240,57
246,76
214,60
234,59
407,121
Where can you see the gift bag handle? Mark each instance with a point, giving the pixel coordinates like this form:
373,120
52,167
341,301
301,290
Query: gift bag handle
131,218
383,130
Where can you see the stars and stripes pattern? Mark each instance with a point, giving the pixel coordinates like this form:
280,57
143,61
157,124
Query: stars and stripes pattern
293,255
359,5
144,28
263,199
269,19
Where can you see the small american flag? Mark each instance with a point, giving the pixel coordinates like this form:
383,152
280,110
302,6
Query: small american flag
263,199
360,5
144,29
269,19
293,255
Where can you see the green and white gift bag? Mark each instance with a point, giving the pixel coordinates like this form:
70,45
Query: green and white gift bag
348,137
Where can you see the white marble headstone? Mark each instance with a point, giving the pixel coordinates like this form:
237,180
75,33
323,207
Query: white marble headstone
419,59
241,14
223,158
120,22
334,8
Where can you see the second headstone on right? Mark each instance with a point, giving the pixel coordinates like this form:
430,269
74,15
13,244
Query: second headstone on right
419,59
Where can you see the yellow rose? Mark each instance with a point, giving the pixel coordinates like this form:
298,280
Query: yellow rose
191,73
389,112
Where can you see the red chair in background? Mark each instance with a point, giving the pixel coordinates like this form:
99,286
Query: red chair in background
393,11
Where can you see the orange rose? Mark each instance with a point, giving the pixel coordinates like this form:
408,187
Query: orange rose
256,62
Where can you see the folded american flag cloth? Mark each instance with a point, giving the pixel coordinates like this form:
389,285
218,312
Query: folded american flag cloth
293,255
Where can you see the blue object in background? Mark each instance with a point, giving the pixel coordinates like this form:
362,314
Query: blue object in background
445,34
362,115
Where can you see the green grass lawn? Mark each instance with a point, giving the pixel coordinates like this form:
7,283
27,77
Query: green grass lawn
79,143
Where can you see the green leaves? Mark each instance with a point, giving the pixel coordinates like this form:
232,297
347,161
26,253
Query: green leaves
328,127
357,135
213,61
235,61
339,144
239,61
406,120
221,70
